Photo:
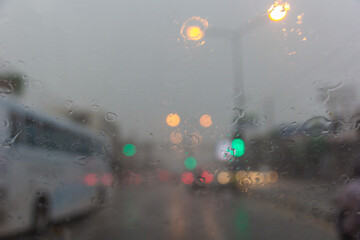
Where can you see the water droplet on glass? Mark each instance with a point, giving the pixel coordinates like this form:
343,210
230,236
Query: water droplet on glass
316,126
6,65
82,160
95,108
5,123
355,121
239,114
68,104
110,117
259,121
21,63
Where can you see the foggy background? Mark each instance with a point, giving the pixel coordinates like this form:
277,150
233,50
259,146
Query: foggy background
128,58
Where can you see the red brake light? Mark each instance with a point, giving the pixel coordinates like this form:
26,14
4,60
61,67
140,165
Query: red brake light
207,176
187,177
90,179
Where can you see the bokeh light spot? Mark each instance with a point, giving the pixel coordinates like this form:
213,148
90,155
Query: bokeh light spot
223,178
190,163
207,176
256,177
194,33
205,121
278,11
238,147
173,119
194,29
176,137
240,175
187,178
90,179
129,150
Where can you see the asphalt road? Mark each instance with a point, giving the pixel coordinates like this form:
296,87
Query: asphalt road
176,212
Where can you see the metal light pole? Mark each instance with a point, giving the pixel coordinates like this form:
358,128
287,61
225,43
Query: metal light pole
235,38
277,12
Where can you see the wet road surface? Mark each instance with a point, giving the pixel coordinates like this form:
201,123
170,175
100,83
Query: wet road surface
177,212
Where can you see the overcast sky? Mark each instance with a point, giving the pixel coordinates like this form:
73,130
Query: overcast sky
126,57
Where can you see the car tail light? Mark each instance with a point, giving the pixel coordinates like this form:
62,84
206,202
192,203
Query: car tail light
187,177
207,176
90,179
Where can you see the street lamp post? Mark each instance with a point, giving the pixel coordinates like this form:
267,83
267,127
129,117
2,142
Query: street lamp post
276,12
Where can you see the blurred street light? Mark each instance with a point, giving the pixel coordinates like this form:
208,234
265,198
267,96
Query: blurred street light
193,29
277,12
173,119
194,33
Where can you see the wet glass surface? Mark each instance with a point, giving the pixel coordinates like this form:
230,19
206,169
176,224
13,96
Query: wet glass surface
179,119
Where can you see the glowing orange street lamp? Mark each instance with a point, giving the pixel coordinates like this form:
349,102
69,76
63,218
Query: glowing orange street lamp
194,33
205,121
194,28
173,119
278,11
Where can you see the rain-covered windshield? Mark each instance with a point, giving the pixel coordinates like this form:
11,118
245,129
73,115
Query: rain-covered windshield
179,119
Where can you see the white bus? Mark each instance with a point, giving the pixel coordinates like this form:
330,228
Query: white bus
50,169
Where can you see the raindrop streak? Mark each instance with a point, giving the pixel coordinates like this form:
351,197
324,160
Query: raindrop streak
325,92
355,121
9,142
110,117
239,114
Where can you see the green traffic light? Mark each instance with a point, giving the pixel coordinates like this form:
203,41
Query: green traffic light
129,150
238,147
190,163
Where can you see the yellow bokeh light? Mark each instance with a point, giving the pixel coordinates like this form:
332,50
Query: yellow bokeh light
240,175
256,177
223,178
194,29
176,137
194,33
271,177
173,119
205,121
278,11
